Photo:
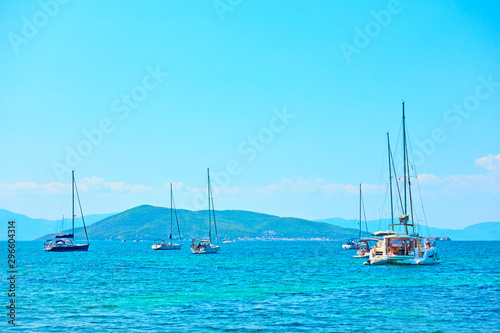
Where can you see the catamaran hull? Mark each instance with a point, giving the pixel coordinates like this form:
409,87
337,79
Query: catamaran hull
167,247
69,248
431,257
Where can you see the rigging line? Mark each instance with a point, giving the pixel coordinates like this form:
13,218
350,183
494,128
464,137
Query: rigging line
176,219
390,180
213,212
420,192
381,181
364,213
396,148
81,212
383,206
397,185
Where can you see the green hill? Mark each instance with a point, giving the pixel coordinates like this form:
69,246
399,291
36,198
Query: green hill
148,223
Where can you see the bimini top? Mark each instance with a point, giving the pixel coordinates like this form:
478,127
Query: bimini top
366,240
383,233
65,236
402,236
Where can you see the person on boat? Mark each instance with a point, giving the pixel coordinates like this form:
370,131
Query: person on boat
428,244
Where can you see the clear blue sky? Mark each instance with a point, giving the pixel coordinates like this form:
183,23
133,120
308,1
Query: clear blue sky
68,68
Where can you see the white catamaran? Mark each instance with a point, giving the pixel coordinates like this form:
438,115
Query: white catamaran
403,249
205,246
170,245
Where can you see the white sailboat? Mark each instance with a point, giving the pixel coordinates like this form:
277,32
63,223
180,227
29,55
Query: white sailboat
170,245
403,249
364,243
354,243
65,243
205,246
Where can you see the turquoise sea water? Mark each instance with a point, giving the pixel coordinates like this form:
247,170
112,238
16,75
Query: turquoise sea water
252,287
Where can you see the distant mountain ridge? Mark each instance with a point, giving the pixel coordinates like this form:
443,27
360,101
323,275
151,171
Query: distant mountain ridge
29,229
484,231
149,222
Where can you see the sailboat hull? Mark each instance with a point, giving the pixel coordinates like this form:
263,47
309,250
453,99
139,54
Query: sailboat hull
205,250
68,248
166,247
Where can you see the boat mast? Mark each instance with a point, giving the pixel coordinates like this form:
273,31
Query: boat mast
73,203
404,158
390,179
209,215
171,215
359,211
406,173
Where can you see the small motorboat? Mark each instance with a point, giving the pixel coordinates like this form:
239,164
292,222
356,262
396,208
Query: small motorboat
203,246
350,244
364,247
163,245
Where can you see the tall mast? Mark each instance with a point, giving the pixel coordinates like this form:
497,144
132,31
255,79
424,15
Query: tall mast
359,211
404,158
390,179
171,215
209,216
73,203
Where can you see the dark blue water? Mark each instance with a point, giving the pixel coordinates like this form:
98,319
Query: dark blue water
251,287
